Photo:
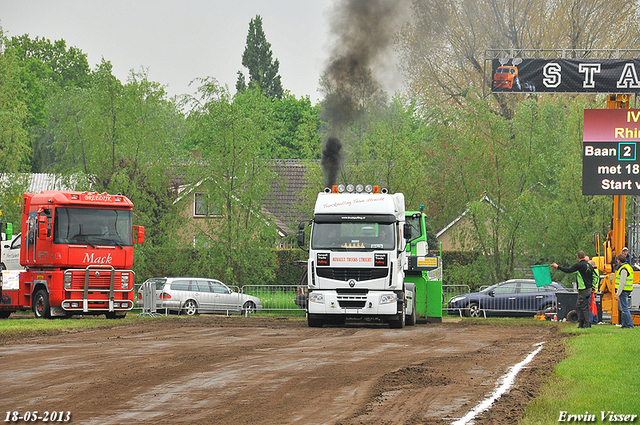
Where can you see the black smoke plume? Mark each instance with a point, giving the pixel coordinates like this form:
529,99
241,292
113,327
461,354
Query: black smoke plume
363,32
331,160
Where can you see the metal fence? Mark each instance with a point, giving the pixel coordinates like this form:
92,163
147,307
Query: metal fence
272,298
277,297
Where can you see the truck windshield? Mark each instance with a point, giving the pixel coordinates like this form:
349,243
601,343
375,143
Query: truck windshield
353,236
93,226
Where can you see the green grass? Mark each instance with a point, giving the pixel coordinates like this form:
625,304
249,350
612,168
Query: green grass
31,326
599,375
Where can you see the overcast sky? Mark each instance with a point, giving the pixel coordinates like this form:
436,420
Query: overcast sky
181,40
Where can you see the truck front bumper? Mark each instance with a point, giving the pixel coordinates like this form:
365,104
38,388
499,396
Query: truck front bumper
373,303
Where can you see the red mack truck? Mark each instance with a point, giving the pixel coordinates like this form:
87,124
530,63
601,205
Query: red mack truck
77,251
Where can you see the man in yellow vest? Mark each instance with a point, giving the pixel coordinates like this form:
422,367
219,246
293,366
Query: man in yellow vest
623,280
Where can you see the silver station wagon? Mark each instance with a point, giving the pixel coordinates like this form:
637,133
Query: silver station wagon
191,295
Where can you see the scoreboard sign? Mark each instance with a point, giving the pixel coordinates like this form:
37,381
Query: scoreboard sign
610,162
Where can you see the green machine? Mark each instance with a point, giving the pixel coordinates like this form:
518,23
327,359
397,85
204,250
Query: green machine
6,229
423,269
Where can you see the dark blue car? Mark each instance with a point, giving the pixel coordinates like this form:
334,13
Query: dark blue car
516,297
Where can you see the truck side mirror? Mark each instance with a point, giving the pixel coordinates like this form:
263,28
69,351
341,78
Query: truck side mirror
43,230
300,234
407,231
138,234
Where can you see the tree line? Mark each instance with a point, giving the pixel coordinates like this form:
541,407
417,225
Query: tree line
441,142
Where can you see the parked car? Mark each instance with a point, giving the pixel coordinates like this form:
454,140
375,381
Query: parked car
516,297
192,295
11,254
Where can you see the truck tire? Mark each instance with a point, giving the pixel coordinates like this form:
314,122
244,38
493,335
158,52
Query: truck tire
5,314
400,321
314,322
411,319
41,304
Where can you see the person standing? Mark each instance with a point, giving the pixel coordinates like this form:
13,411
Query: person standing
585,287
593,308
623,280
625,252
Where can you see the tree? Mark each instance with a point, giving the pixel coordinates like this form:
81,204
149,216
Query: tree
46,68
296,129
258,59
233,136
522,199
123,137
442,49
14,136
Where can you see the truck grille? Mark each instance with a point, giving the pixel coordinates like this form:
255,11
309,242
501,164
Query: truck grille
345,274
103,281
352,298
352,304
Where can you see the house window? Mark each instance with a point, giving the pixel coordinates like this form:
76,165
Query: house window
202,206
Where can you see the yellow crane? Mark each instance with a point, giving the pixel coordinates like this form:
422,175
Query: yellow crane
615,240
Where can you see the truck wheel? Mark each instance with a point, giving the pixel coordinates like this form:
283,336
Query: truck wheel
516,84
411,319
5,314
314,322
41,305
400,322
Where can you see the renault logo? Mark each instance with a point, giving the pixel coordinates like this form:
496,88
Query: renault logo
352,283
97,274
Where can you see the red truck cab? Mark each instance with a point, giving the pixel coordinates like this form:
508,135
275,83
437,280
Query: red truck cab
506,77
77,251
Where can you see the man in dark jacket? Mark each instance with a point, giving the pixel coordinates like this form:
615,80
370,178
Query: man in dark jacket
585,285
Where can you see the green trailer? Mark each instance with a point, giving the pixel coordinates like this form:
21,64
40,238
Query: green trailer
424,270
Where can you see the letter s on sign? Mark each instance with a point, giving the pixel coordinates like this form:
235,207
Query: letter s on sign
552,75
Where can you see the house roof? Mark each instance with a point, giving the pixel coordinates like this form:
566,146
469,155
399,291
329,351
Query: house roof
286,198
38,182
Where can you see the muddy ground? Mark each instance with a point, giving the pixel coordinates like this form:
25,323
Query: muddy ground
262,370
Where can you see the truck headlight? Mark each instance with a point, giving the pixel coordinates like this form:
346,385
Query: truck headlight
316,298
67,281
125,281
388,298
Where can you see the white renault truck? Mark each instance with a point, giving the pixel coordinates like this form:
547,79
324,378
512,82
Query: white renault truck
357,258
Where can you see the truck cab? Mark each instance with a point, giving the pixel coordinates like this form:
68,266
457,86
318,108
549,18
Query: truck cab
357,257
76,249
506,77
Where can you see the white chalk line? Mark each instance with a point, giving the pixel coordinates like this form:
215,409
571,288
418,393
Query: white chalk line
507,381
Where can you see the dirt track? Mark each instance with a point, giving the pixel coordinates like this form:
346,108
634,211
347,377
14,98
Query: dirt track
217,370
